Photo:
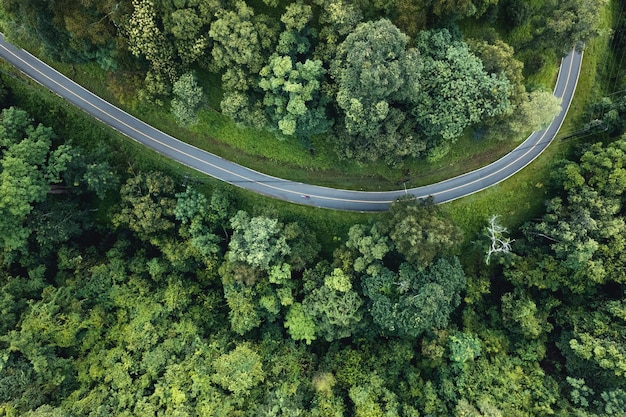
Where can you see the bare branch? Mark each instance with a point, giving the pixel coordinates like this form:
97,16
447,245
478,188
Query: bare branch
500,243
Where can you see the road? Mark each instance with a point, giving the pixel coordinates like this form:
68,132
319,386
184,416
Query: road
297,192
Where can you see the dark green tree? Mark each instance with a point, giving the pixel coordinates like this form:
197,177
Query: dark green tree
376,75
411,302
456,90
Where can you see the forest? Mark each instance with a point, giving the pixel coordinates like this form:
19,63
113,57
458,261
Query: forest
129,288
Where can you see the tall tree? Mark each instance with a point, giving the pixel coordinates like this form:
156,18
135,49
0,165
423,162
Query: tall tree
572,23
147,205
534,113
332,303
293,96
376,75
187,96
579,242
239,370
420,232
412,301
30,166
257,241
456,90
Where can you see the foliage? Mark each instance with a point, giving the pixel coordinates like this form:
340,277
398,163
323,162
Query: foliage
293,97
187,96
583,227
33,167
533,114
147,204
376,74
574,22
257,241
332,303
420,232
459,92
239,370
414,301
175,301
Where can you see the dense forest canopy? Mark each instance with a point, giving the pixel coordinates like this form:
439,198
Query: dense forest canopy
127,289
175,302
381,80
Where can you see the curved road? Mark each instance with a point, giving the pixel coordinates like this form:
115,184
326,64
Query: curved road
318,196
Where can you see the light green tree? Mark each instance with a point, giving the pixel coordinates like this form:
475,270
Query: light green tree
293,98
257,241
534,113
239,371
187,96
573,22
300,325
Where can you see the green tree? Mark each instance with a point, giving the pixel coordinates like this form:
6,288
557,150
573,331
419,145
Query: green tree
370,245
239,370
456,90
30,167
498,57
240,40
147,205
420,232
241,43
172,37
522,315
337,19
463,347
573,22
100,178
187,96
414,301
376,75
257,241
534,113
147,39
292,95
201,220
300,325
462,8
333,304
68,31
295,39
579,242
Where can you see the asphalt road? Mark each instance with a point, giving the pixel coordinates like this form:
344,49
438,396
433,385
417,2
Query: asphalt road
297,192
